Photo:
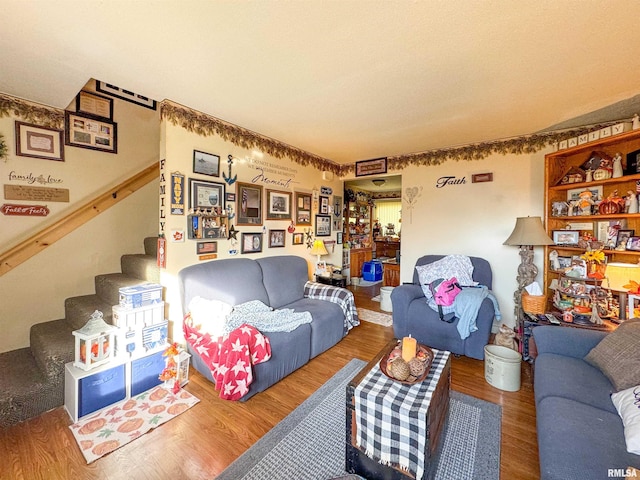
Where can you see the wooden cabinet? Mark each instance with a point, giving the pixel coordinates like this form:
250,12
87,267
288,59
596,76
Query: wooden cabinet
391,274
597,219
358,257
387,248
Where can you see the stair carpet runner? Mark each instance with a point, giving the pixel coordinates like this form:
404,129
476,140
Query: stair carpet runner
32,380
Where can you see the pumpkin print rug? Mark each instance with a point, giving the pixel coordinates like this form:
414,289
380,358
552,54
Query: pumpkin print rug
120,423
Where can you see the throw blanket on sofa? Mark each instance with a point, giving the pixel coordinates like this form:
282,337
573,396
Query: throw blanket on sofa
230,357
265,318
341,296
465,307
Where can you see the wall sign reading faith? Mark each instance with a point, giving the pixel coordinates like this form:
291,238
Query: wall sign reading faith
451,180
24,210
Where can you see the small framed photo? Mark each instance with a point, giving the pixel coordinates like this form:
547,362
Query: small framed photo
633,244
303,208
565,262
371,167
298,239
339,238
574,193
278,205
204,248
249,204
623,238
324,205
251,243
230,197
39,142
206,163
206,195
91,132
97,105
276,238
566,237
323,225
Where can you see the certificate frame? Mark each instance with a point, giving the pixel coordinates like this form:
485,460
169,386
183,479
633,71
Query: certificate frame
206,195
91,104
39,142
90,131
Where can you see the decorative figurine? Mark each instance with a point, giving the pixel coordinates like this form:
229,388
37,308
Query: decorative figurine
617,166
631,202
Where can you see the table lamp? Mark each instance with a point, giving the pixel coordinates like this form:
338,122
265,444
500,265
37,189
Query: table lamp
527,233
319,249
617,276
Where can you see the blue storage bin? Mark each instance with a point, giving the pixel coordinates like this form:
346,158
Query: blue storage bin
372,271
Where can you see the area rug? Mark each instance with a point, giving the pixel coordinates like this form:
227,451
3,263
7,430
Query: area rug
125,421
384,319
367,283
376,298
310,442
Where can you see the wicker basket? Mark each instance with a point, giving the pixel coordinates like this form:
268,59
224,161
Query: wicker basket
534,304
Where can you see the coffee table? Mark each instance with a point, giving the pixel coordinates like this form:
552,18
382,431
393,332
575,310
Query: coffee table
378,405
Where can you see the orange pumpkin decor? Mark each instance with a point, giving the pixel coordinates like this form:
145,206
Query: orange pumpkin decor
93,426
177,408
158,394
611,205
129,404
157,409
105,447
130,425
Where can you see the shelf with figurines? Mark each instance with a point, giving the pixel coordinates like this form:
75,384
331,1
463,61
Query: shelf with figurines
207,223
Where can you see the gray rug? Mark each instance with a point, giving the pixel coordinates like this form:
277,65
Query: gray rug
310,442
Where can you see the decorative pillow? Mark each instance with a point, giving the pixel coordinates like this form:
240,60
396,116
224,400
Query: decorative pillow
209,316
458,266
627,402
618,355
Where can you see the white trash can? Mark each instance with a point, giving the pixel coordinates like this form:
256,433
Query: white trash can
385,299
502,367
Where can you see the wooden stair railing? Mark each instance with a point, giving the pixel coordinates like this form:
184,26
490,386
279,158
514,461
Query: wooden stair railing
51,234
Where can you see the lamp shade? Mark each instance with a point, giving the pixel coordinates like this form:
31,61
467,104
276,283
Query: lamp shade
528,231
318,248
620,274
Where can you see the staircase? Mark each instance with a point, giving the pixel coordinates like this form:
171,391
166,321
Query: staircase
32,378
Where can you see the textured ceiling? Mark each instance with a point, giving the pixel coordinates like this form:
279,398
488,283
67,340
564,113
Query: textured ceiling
346,80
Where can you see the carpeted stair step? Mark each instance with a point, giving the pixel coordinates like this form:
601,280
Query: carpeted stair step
78,310
141,266
108,286
25,391
52,345
151,246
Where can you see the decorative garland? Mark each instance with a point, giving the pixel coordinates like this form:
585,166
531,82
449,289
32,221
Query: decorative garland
31,112
206,125
4,150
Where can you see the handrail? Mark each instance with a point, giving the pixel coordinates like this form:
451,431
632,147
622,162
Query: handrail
51,234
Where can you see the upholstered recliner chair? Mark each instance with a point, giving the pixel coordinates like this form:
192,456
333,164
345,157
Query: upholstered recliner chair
413,316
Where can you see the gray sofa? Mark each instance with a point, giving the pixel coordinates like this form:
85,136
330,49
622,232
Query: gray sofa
412,315
580,435
278,282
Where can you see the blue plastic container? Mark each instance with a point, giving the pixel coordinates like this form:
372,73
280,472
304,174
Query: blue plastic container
372,271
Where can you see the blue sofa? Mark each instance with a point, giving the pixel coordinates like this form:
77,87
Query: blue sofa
580,435
278,282
412,315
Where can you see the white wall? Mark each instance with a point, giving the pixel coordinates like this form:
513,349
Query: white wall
35,291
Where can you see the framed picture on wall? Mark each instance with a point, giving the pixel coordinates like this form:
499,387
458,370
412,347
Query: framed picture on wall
298,239
206,163
97,105
323,225
249,204
278,205
39,142
276,238
303,208
251,243
90,132
206,195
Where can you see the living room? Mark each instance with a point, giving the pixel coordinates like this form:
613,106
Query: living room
484,213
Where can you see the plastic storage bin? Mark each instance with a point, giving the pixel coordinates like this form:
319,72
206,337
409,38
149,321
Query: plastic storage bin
502,367
372,271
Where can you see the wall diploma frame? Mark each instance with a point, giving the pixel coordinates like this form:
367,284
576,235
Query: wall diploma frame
39,142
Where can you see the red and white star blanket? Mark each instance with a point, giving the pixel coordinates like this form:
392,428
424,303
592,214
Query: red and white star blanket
230,357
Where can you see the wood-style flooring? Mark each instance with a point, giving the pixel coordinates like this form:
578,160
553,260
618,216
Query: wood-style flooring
207,438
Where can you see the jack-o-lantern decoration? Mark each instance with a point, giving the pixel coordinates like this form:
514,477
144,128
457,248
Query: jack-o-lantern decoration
611,205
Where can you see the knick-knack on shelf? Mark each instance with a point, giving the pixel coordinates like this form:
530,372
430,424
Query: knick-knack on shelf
617,166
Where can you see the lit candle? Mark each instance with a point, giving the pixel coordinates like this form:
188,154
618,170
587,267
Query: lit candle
409,348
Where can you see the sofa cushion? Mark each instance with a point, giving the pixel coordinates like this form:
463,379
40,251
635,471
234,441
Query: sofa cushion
284,277
327,327
618,355
458,266
627,403
577,441
425,325
571,378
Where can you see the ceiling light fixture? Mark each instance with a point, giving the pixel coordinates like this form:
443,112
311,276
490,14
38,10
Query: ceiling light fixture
378,182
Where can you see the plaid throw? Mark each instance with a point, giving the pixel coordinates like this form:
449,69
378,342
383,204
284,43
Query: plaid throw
391,416
341,296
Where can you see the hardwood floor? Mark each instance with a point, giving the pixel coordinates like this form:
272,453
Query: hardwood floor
204,440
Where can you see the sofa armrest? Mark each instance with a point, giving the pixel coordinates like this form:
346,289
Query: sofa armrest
567,341
401,298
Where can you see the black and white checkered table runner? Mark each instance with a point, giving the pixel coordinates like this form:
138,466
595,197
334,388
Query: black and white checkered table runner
391,416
